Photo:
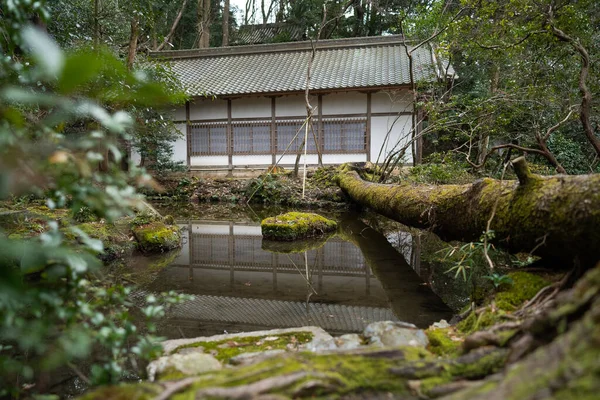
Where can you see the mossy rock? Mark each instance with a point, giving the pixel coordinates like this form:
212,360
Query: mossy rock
296,225
441,342
157,237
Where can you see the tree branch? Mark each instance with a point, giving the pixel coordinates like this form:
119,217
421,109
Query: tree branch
173,27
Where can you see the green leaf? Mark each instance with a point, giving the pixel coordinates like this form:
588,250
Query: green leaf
44,50
80,68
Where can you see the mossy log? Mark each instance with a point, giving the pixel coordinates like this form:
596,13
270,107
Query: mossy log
555,217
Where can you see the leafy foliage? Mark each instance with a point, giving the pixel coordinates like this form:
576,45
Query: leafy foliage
59,141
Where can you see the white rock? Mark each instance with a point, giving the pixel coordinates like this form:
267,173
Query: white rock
349,341
442,324
394,334
318,335
249,358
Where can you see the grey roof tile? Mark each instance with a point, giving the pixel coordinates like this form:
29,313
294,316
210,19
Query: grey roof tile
339,64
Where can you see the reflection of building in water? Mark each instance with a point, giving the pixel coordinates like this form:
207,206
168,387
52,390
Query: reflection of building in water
241,287
238,285
238,249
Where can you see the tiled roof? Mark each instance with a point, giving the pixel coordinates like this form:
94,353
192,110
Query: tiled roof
278,68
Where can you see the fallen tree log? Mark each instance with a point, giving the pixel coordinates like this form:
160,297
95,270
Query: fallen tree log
556,217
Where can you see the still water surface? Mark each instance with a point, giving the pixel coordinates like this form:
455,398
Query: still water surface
354,278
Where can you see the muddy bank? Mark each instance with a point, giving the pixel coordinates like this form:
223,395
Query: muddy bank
269,188
147,231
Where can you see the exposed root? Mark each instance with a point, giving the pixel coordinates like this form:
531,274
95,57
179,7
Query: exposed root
251,390
173,387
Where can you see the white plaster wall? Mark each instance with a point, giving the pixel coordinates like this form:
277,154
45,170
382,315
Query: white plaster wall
345,103
200,161
342,158
399,128
207,109
247,230
209,229
292,106
391,101
251,107
178,113
180,145
290,159
241,161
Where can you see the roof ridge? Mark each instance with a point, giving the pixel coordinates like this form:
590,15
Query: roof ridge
327,44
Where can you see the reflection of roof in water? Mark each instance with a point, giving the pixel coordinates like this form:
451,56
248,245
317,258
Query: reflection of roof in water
245,252
277,313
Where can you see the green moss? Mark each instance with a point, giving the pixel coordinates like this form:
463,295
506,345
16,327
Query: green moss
157,237
225,350
427,385
525,286
339,375
486,318
441,344
115,239
133,391
296,225
171,374
486,365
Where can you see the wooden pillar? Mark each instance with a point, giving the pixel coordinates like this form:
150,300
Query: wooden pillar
368,131
190,249
320,136
275,263
231,255
188,134
273,133
418,130
229,137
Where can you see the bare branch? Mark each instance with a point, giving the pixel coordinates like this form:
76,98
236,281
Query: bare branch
173,27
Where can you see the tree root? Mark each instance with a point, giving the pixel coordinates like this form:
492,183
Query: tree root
251,390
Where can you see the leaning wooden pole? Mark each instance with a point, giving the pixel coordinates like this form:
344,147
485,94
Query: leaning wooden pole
556,217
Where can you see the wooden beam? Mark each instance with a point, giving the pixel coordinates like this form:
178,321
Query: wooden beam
368,131
320,136
273,132
229,136
299,117
188,134
313,92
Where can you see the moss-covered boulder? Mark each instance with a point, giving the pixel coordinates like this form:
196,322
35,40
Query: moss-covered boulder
157,237
296,225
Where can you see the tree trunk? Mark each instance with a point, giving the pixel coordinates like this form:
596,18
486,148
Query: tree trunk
586,94
203,24
225,23
133,40
484,139
359,15
553,217
96,23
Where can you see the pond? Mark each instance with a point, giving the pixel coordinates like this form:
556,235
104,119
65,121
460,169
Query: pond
240,283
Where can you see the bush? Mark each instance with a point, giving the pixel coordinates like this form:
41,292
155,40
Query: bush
441,169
